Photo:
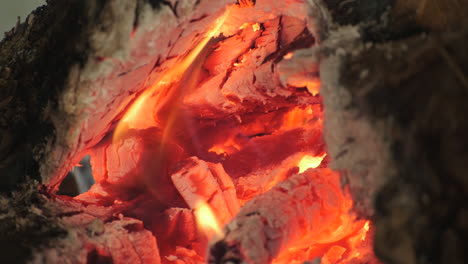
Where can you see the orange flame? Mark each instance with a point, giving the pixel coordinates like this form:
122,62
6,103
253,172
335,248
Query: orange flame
365,230
313,87
308,162
207,221
297,117
361,235
136,114
288,56
256,27
228,147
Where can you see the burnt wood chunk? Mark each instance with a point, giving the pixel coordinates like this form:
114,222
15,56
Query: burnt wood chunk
202,183
297,213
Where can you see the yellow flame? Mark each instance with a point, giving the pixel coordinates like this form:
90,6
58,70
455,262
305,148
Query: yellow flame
135,112
288,56
244,25
228,147
207,221
365,229
297,117
256,27
308,162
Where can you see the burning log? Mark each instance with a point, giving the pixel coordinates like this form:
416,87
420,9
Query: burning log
206,183
401,102
66,228
184,242
308,210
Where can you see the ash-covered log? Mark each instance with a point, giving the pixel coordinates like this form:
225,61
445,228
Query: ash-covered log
305,213
394,126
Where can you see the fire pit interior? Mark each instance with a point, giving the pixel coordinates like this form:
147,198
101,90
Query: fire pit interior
223,146
228,132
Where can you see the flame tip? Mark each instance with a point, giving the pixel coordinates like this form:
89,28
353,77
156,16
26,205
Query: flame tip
207,221
310,162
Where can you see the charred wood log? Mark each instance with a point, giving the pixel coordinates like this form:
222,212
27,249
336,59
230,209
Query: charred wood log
395,128
32,222
298,213
200,182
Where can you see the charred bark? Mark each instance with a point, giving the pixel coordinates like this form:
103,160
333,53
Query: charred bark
395,121
35,58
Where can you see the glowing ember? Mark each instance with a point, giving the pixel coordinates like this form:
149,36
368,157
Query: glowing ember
361,235
313,87
207,221
297,117
308,162
334,254
237,64
226,148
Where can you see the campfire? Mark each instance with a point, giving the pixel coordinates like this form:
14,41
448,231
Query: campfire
202,131
221,154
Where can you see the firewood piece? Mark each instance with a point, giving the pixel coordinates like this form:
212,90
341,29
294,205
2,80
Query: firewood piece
119,167
38,228
269,38
184,256
130,243
301,71
291,29
177,228
227,186
212,98
395,125
252,81
280,146
256,78
228,51
263,180
302,211
201,182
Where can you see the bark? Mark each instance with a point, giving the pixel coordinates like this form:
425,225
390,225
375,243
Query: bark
38,228
395,126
